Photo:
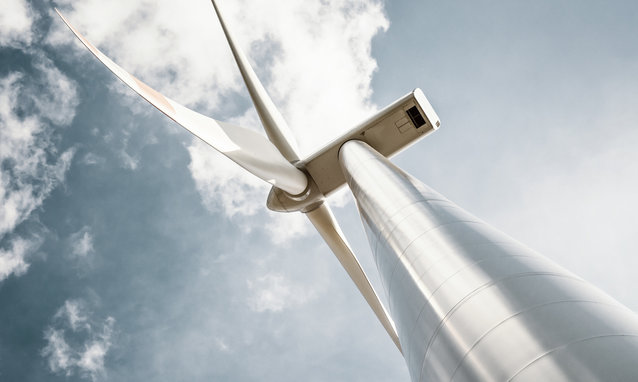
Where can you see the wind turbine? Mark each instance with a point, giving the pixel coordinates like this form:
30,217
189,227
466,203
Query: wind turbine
468,302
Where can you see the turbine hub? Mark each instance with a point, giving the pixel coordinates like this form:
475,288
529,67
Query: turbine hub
281,201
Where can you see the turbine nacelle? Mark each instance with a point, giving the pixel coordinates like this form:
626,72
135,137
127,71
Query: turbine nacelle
394,128
391,130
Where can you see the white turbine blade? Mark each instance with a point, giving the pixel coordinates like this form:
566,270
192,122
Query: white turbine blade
247,148
273,122
324,221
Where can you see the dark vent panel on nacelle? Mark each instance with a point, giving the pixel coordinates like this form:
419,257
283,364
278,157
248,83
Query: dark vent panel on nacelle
416,117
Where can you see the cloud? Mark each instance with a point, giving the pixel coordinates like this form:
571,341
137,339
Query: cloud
56,98
32,166
274,293
76,342
29,173
58,352
12,260
73,311
181,51
129,162
285,227
91,360
16,20
82,243
81,250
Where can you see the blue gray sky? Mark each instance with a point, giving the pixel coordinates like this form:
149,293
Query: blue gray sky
130,251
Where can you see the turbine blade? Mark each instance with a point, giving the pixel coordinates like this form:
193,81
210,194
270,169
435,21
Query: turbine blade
272,120
325,222
245,147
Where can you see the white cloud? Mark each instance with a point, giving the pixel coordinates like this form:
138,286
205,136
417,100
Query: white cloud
284,227
274,293
12,260
83,352
16,20
56,99
129,142
314,56
58,352
81,248
128,161
91,360
31,164
74,312
28,176
82,243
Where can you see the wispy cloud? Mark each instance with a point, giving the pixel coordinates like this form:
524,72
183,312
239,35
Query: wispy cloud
58,352
56,98
74,314
81,243
13,259
32,166
77,343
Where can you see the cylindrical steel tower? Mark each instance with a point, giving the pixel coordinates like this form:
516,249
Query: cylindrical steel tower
471,303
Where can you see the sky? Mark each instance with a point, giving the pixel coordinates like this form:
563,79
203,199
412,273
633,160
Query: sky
131,251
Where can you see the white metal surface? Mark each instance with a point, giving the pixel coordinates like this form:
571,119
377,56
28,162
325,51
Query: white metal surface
472,304
245,147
